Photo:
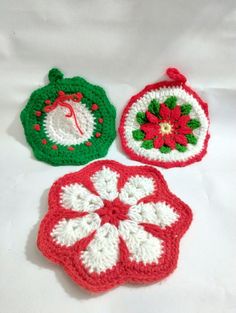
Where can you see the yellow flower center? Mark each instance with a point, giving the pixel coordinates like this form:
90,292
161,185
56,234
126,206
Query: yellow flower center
166,128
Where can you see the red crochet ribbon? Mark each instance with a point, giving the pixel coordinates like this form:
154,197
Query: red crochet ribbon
61,101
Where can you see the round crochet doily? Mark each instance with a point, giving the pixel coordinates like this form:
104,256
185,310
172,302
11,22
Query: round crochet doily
69,121
166,124
109,224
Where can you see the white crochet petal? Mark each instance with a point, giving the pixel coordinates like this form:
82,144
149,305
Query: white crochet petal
105,182
143,246
102,253
67,231
78,198
136,188
159,213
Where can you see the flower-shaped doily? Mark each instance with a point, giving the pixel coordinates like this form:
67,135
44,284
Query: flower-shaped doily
69,121
110,223
166,124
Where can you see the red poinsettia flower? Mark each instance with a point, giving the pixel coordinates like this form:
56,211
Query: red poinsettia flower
169,129
110,223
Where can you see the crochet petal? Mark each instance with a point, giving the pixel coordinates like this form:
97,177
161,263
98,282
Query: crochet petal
158,142
158,213
142,246
151,117
105,182
78,198
181,139
164,111
169,141
175,113
68,231
183,120
102,253
151,130
184,130
136,188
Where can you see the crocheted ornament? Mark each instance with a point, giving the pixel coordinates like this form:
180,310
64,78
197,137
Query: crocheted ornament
69,121
109,224
166,124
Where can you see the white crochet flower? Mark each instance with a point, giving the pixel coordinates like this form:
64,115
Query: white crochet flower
109,217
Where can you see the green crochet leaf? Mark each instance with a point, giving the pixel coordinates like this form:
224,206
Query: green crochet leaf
138,134
147,144
194,123
180,148
165,149
191,139
141,118
171,102
154,107
186,109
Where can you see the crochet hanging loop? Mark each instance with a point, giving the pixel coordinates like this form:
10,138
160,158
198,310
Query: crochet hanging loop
174,73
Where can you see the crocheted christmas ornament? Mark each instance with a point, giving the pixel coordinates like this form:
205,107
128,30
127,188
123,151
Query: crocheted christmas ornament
69,121
109,224
166,124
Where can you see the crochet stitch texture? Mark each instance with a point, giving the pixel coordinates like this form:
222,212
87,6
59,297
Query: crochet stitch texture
166,124
108,224
69,121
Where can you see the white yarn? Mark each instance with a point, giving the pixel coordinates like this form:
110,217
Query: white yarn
77,197
62,130
69,231
103,251
136,188
161,95
105,183
142,245
159,213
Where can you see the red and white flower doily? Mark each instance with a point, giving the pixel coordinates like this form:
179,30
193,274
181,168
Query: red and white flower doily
109,224
166,124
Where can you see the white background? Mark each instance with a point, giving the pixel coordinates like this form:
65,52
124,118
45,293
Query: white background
120,45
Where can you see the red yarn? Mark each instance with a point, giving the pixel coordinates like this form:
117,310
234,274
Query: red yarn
125,270
174,74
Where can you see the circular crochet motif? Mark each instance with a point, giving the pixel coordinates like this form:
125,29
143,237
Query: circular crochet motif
109,224
69,121
166,124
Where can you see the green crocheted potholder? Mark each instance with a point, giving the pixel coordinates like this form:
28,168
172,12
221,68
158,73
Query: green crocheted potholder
69,121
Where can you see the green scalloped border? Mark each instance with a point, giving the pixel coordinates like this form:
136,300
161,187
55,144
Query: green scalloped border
81,154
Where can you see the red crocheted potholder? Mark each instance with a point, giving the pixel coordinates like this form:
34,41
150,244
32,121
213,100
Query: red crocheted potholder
166,124
109,224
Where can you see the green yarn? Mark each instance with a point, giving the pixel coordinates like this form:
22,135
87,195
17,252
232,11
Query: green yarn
186,109
194,123
138,134
54,74
171,102
141,118
165,149
82,153
147,144
191,139
180,148
154,107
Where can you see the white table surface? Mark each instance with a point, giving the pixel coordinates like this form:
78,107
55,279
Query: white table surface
120,45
